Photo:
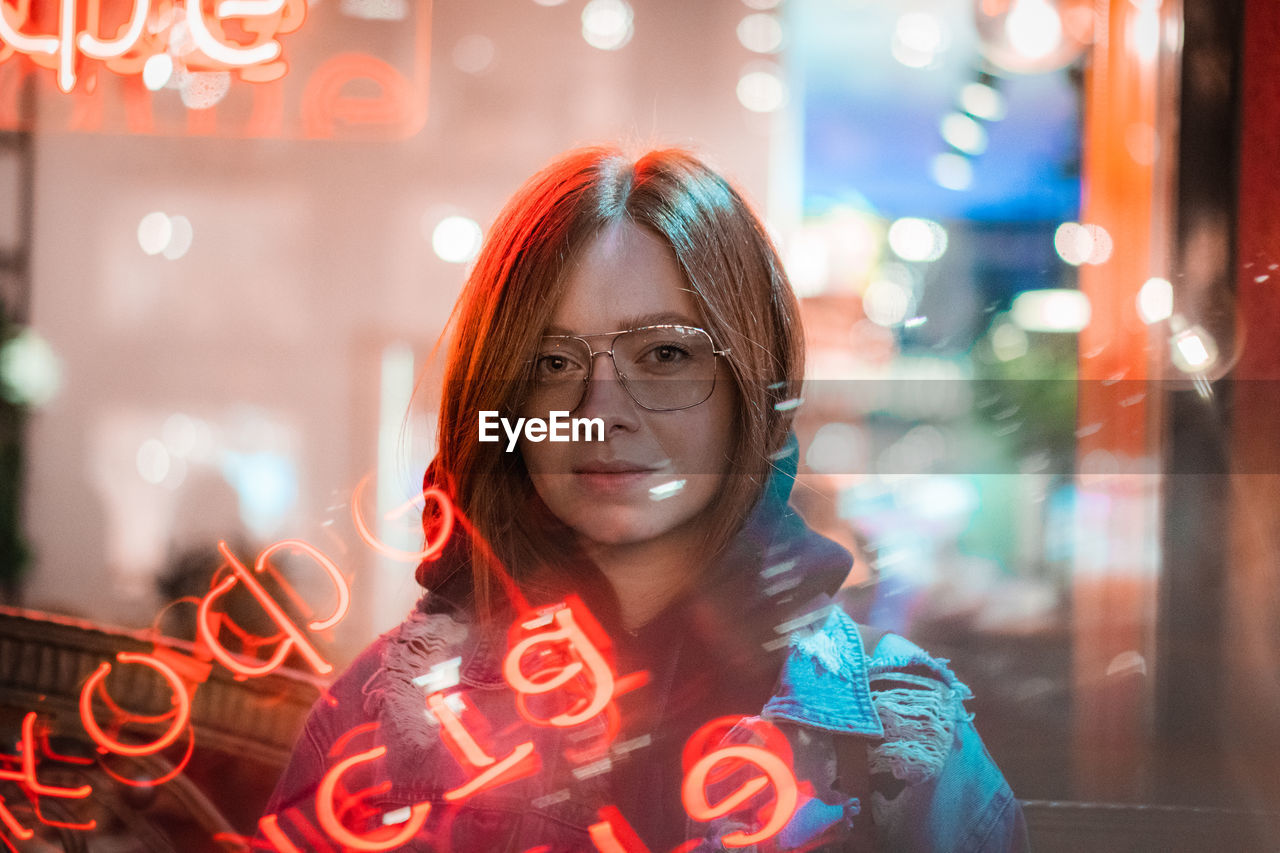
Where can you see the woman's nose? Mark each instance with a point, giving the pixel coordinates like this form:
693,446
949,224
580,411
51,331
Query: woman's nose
606,398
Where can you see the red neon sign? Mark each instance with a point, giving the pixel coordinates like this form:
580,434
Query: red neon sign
776,773
434,545
181,712
328,816
520,762
293,638
567,658
557,648
79,39
153,45
26,779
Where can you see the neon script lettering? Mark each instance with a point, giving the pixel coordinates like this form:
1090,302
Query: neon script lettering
126,50
558,427
562,649
558,656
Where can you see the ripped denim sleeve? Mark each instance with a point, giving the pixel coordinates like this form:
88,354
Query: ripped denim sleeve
919,702
935,785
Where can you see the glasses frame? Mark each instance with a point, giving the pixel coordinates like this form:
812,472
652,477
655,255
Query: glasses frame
613,340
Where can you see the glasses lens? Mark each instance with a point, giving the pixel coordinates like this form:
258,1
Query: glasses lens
560,370
666,367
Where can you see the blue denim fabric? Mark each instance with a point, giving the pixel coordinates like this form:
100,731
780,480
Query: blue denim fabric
901,705
911,705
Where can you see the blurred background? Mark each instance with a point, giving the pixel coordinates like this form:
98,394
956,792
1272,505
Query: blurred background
1037,257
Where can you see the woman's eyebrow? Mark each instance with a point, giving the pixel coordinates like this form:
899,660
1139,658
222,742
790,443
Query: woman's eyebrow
654,319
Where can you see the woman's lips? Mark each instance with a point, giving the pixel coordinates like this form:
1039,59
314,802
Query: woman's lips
606,479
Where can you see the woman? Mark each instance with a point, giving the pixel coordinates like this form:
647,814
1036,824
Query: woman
621,632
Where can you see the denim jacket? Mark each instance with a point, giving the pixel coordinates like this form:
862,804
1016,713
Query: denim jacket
884,755
933,787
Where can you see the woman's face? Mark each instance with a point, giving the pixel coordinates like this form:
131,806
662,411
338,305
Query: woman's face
655,472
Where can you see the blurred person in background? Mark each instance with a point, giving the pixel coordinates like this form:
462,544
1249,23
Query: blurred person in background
645,294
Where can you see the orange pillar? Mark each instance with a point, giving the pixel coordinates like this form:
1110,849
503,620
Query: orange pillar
1114,583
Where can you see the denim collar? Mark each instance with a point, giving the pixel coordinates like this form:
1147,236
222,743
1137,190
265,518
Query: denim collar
825,682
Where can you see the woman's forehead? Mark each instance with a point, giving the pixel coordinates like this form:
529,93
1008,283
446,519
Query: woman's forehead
625,277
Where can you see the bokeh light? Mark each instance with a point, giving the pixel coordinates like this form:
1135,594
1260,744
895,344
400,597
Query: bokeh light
157,71
473,54
887,302
952,171
607,24
30,371
1193,350
154,232
918,39
914,239
1082,244
964,133
456,239
760,33
1034,28
1155,300
838,448
181,235
982,101
761,91
153,461
202,90
1051,310
1008,342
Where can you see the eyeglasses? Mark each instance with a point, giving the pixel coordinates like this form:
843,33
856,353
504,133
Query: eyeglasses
664,368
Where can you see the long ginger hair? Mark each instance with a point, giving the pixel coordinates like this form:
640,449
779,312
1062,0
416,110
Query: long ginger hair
736,277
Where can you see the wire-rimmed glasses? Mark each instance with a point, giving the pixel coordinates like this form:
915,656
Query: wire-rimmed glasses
664,367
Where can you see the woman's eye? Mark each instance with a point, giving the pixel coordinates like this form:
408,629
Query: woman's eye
554,366
668,353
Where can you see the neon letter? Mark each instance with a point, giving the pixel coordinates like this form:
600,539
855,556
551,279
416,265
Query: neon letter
220,51
93,46
587,656
521,762
26,777
293,637
24,43
432,548
329,819
270,826
604,835
181,701
776,771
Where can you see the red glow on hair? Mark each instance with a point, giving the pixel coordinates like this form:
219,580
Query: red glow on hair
181,712
292,636
569,659
433,546
776,773
520,762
